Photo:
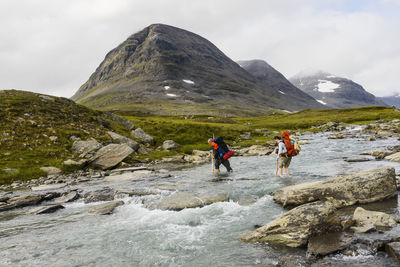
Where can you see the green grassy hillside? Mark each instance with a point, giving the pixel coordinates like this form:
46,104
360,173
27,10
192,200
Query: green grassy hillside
193,133
35,130
28,120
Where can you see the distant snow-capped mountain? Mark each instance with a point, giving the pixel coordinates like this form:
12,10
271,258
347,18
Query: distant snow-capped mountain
391,100
333,91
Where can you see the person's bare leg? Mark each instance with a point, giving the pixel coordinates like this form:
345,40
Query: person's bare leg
280,172
287,171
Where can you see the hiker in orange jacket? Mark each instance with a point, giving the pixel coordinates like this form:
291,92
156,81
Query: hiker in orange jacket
218,156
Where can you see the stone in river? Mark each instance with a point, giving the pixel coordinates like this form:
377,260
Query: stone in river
180,201
105,208
344,190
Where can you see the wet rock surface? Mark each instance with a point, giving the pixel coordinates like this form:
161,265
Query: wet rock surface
345,190
329,243
180,201
68,197
105,208
393,249
47,209
104,194
295,227
376,218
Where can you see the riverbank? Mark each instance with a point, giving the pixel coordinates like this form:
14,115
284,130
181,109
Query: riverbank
40,133
152,201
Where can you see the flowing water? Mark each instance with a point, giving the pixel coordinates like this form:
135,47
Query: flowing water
136,235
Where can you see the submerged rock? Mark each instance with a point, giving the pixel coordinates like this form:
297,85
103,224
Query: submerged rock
378,154
393,249
295,227
180,201
345,190
105,208
336,136
47,209
357,160
376,218
329,243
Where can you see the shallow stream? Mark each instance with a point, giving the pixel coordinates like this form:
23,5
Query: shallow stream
136,235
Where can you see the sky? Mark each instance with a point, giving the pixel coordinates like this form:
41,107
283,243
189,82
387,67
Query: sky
53,46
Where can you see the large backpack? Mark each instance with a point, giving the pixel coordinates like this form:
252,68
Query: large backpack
223,149
291,151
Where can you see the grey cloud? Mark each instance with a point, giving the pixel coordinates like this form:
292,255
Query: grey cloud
53,46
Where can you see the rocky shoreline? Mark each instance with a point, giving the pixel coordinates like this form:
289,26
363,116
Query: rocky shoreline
317,215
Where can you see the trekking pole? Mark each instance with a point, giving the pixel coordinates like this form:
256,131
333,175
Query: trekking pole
212,162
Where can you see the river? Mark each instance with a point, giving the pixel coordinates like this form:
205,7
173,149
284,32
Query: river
137,235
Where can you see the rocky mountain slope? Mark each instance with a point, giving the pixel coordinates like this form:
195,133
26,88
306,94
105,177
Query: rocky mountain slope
391,100
333,91
270,77
167,70
39,131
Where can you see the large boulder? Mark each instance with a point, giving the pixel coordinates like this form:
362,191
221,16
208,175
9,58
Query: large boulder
119,139
379,219
110,155
140,135
344,190
85,148
180,201
295,227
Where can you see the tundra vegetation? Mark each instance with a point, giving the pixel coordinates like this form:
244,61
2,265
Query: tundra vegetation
36,130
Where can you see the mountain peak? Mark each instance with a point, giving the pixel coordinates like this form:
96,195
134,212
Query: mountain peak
334,91
163,66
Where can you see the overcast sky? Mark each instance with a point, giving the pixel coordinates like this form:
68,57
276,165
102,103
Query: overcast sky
53,46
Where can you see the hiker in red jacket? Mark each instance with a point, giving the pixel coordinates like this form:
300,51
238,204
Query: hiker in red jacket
221,153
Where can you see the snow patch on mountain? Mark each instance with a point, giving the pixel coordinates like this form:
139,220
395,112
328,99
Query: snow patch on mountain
322,102
188,81
325,86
